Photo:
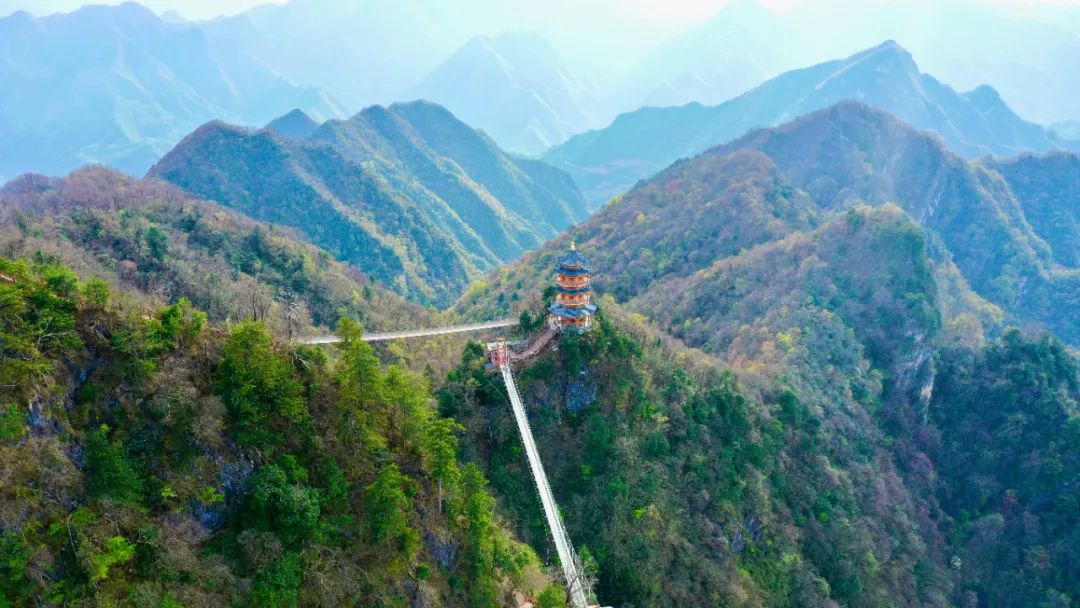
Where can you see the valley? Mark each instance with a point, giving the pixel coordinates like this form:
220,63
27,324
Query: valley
323,303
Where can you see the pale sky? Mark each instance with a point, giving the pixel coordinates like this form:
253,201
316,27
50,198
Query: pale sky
667,11
192,9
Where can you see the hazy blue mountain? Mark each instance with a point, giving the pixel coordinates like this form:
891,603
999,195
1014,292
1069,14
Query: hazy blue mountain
731,53
514,87
636,144
1023,52
1029,61
411,195
363,51
173,16
1069,130
118,85
294,125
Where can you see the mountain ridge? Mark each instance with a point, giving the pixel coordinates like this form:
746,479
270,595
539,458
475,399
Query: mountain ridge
143,84
607,161
295,124
415,197
513,86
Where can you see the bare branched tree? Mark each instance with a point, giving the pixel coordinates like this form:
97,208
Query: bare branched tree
289,303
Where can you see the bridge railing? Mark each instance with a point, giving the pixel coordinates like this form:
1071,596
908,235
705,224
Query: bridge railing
571,566
417,333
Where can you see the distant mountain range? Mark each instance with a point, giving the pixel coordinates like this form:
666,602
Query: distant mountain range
732,52
1008,227
1067,130
120,86
608,161
363,51
294,125
514,87
411,195
1024,54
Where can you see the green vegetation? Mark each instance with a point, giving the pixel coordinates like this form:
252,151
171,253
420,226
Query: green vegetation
673,482
156,460
230,267
1004,434
793,395
415,197
874,450
684,484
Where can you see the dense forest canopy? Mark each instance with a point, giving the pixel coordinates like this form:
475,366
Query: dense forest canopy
903,446
802,389
158,460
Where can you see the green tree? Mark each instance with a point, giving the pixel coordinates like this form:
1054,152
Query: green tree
387,509
358,372
12,423
15,586
481,551
552,596
277,585
175,325
410,411
108,472
264,403
440,452
37,319
278,502
117,550
156,242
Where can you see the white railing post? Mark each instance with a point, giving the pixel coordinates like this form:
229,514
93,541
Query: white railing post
571,567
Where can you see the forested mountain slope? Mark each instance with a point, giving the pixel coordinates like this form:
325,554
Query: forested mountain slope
153,459
773,182
688,484
608,161
160,245
851,153
850,460
1048,188
419,200
882,440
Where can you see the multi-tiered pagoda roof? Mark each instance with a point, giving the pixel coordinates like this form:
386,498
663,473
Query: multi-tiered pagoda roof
573,291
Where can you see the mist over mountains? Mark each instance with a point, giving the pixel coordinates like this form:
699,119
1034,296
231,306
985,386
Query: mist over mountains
1021,52
120,86
607,161
830,358
514,87
331,58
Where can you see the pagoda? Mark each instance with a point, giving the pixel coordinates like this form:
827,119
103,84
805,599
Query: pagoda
572,307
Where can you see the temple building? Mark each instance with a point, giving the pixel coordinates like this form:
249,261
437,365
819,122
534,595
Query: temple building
573,292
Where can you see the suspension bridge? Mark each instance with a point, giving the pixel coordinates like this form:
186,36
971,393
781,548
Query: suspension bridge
501,358
418,333
568,559
571,310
